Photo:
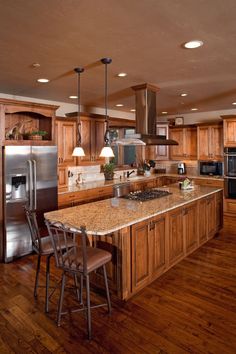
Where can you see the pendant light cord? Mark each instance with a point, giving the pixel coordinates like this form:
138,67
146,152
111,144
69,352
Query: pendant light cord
79,71
78,118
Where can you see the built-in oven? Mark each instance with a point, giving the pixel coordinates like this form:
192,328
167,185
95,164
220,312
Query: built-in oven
230,173
211,168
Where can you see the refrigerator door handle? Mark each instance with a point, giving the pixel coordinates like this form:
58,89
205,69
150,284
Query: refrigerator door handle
34,184
30,184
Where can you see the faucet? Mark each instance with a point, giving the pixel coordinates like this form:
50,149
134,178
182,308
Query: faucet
129,173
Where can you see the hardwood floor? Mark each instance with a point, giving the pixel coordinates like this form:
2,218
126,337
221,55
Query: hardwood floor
190,309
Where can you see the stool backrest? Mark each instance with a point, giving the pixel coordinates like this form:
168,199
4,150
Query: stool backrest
31,217
68,242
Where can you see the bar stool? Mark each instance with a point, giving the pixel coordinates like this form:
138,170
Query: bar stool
43,247
80,259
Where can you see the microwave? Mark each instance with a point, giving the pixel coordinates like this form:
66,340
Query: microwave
211,168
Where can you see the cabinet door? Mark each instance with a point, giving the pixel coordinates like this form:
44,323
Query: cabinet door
176,244
202,221
68,142
177,152
86,138
230,132
219,211
217,142
190,143
203,143
158,245
140,255
191,227
65,139
160,152
211,216
99,131
62,176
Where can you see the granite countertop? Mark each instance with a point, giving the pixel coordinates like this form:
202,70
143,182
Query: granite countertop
113,214
100,184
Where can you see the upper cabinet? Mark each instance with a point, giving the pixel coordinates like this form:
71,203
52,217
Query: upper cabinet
65,139
210,142
159,152
229,124
92,139
187,139
18,119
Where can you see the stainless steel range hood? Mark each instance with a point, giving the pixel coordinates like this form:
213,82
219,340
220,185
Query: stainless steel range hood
145,97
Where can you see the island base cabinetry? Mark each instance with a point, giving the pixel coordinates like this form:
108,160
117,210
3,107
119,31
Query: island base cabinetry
145,250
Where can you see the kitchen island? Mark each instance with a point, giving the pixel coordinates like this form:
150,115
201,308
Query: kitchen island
147,238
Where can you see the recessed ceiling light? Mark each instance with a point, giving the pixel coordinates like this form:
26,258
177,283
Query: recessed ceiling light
193,44
194,109
36,65
133,110
73,97
119,105
122,74
234,103
164,112
183,94
43,80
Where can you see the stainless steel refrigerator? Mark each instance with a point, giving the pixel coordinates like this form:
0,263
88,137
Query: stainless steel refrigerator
29,178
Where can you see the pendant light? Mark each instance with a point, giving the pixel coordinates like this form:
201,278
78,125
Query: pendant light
78,150
106,150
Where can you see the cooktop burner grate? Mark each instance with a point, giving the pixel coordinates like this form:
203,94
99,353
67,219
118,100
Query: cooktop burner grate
146,195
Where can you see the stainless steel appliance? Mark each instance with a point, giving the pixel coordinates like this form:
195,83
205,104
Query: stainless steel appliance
143,196
211,168
230,173
30,178
181,168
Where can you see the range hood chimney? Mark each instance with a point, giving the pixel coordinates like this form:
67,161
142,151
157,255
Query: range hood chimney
145,107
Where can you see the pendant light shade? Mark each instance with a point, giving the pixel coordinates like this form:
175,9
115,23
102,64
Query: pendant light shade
106,150
78,150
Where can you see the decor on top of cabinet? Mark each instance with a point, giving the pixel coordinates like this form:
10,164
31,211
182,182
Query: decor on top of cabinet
108,170
106,150
78,150
36,134
17,132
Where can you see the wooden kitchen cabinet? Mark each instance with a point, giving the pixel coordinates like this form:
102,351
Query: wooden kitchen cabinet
187,139
70,199
140,251
190,221
158,244
148,250
210,142
92,139
209,182
176,238
229,127
219,211
65,139
159,152
62,172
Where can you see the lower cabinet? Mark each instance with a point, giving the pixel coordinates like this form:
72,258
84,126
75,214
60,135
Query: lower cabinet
176,240
66,200
190,221
148,251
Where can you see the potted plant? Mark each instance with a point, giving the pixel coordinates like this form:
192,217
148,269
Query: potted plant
108,170
37,134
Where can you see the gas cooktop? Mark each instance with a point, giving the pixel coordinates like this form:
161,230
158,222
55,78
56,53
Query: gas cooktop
143,196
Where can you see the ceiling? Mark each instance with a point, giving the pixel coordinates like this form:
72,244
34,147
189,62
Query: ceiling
143,38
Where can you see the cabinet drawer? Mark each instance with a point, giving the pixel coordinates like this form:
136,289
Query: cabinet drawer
209,182
230,206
